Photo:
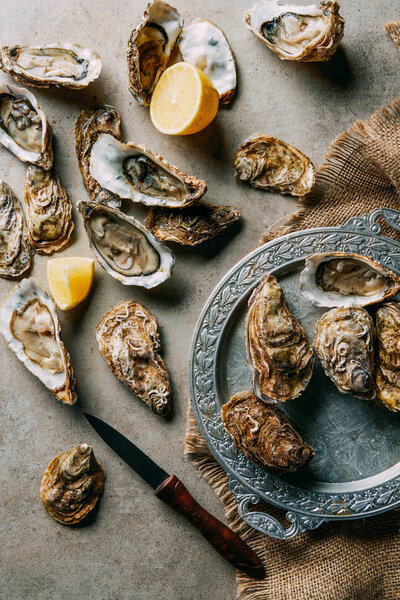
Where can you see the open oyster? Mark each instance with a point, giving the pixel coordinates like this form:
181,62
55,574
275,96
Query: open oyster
150,46
264,434
129,341
344,343
278,349
29,324
72,484
271,164
23,126
341,279
58,64
15,251
131,171
303,33
387,376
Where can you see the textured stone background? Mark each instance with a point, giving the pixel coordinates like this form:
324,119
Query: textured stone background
137,548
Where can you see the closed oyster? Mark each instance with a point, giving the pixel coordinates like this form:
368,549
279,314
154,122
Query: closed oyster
387,376
72,484
344,343
124,247
29,324
341,279
273,165
15,251
149,48
303,33
278,349
58,64
131,171
264,434
129,341
24,129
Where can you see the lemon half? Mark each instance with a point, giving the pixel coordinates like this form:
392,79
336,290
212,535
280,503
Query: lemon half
70,280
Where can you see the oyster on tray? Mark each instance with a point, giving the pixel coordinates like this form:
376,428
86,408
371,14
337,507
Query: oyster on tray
387,376
15,250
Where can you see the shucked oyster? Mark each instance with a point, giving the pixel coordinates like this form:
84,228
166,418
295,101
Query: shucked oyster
387,377
29,324
264,434
303,33
15,251
278,349
72,484
129,341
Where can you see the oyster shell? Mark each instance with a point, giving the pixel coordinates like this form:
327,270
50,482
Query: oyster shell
72,484
278,349
131,171
303,33
342,279
387,376
58,64
15,251
344,343
24,129
129,341
29,324
149,48
273,165
124,247
264,434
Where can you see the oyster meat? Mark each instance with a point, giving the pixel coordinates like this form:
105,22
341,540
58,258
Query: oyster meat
150,46
29,324
264,434
15,251
72,484
59,64
273,165
278,349
303,33
344,343
387,376
129,341
131,171
341,279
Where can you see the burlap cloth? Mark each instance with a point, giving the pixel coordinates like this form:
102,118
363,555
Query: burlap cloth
355,560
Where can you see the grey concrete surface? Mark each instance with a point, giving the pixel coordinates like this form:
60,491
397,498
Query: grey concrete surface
137,548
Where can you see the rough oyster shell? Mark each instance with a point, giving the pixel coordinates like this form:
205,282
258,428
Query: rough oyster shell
342,279
15,251
29,324
271,164
278,349
387,376
264,434
344,343
129,341
303,33
72,484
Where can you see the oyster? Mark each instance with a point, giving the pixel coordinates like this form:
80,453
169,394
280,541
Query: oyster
29,324
15,251
387,376
59,64
72,484
264,434
129,341
278,349
23,126
273,165
341,279
150,46
205,46
90,124
344,343
131,171
303,33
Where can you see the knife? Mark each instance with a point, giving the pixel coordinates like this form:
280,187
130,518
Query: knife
172,491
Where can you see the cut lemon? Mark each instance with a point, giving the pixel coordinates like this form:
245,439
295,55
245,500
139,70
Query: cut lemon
70,280
184,100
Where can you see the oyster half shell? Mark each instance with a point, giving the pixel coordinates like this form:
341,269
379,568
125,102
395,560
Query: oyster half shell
15,251
29,324
129,341
387,376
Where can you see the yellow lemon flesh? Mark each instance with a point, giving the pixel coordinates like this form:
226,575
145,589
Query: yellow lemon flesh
70,280
184,100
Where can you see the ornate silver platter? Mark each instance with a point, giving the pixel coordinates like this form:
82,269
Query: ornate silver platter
356,469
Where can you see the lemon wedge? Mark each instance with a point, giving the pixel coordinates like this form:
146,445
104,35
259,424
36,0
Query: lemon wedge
70,280
184,100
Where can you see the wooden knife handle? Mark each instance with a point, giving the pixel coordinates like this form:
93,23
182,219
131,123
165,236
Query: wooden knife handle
225,541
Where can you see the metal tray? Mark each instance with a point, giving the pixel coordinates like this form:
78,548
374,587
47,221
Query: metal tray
356,469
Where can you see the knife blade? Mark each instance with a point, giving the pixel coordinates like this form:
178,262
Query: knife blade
171,490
